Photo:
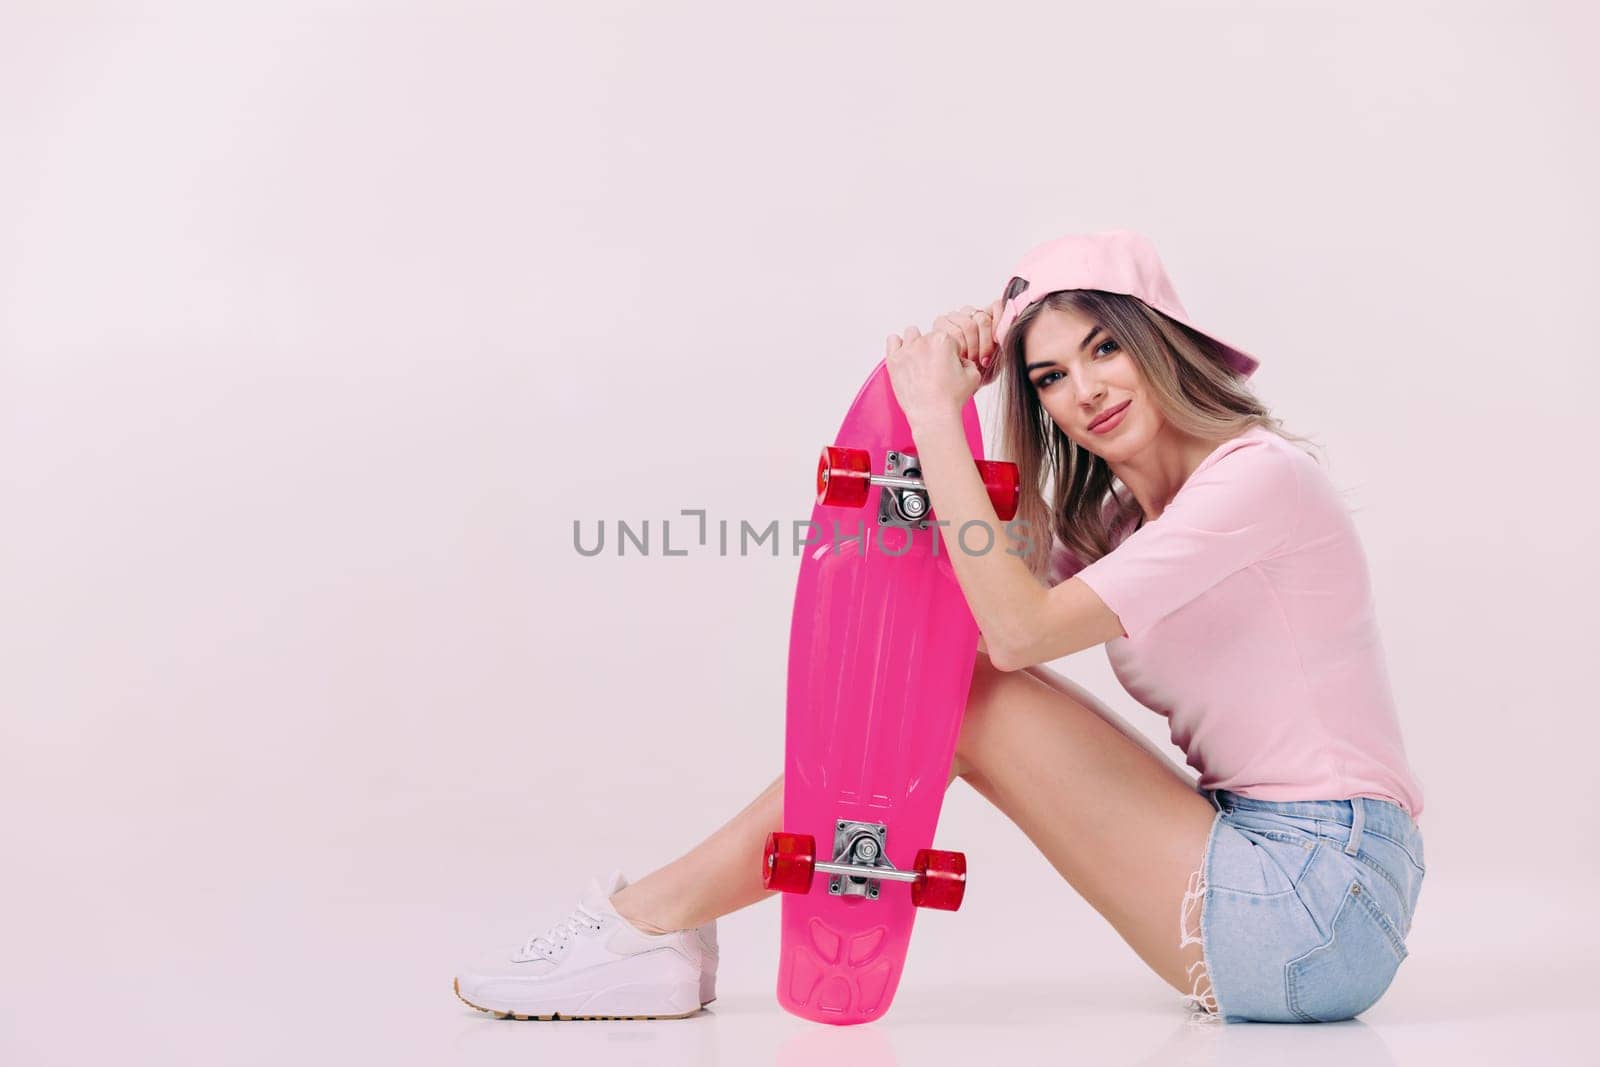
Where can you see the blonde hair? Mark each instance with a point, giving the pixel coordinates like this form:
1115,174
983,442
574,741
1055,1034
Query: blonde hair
1068,490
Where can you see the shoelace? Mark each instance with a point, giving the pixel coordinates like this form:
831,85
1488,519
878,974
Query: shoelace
548,942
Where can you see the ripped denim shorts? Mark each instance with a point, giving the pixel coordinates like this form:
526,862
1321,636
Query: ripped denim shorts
1302,907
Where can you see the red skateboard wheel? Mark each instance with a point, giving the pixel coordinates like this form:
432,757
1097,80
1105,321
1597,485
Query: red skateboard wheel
787,862
1004,486
843,477
942,879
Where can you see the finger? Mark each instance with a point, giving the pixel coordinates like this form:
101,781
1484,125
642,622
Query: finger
912,333
951,328
969,370
951,332
961,326
985,352
969,333
991,370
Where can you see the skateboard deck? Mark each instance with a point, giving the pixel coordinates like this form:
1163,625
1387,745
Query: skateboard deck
881,650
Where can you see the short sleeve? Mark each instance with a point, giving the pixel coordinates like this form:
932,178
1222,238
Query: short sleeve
1237,510
1064,563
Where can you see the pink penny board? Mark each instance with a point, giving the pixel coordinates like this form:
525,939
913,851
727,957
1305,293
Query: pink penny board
881,651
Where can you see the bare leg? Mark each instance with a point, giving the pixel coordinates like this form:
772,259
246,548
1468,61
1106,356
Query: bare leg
1120,822
719,875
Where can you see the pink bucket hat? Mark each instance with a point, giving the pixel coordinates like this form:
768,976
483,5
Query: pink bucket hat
1114,261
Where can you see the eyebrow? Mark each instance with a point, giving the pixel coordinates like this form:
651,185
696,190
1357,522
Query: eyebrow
1081,346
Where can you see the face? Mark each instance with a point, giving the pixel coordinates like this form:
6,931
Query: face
1080,371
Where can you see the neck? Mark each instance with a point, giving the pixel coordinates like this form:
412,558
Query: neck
1155,475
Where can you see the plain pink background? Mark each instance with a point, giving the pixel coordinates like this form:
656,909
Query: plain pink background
319,327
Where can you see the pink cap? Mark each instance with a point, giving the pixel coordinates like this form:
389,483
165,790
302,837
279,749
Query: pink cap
1114,261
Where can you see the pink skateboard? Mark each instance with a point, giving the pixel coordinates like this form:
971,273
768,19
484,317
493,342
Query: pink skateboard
881,650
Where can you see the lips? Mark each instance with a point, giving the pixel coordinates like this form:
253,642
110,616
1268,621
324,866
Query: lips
1104,415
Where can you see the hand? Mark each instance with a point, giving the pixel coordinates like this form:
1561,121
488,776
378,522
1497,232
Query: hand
931,380
936,373
973,329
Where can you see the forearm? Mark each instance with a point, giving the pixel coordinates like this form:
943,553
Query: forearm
1001,591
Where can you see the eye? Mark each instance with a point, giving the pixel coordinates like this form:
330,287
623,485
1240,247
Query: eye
1049,377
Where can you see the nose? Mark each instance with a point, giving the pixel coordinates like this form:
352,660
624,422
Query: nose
1090,387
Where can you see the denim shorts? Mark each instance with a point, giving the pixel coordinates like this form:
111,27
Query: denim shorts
1303,906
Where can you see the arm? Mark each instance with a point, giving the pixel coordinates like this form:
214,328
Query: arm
1022,622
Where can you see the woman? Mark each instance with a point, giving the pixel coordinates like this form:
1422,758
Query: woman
1216,563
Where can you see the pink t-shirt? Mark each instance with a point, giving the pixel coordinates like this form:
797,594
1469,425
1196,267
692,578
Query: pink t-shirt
1249,622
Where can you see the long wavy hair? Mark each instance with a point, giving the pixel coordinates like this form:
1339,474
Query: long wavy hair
1068,490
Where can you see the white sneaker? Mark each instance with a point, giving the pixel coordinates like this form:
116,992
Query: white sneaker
594,964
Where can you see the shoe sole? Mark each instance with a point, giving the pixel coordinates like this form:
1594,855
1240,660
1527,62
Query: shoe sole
557,1016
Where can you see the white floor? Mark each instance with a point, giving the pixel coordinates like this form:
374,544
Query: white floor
308,972
1083,1022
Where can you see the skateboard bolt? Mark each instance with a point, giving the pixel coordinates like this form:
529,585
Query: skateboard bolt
866,849
913,505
